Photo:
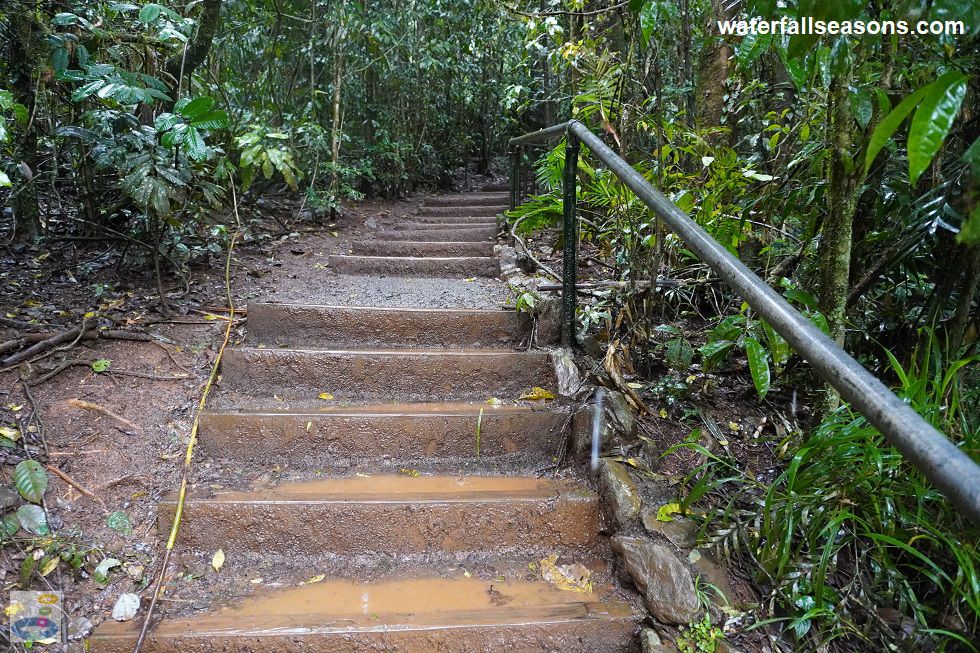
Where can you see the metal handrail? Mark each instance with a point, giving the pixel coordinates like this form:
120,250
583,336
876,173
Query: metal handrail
941,461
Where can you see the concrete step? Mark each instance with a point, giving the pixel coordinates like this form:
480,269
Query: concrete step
499,187
396,515
385,374
469,199
414,225
450,266
483,211
412,248
436,234
314,326
452,612
452,220
410,432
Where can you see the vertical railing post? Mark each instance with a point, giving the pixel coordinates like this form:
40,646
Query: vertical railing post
515,173
570,231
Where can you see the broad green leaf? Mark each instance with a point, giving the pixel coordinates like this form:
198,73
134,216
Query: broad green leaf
101,365
9,525
150,12
83,92
4,180
890,123
211,120
31,480
933,120
119,522
194,145
64,19
778,346
758,366
713,353
195,108
59,59
32,519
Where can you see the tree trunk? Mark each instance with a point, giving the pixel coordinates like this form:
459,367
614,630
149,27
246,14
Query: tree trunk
183,67
27,215
709,96
835,242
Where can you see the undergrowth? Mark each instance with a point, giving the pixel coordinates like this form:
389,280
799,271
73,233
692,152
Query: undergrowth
850,543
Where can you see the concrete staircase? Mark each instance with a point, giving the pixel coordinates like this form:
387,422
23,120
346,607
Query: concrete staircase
399,509
450,236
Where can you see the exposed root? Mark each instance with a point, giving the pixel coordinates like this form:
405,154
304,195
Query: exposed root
88,405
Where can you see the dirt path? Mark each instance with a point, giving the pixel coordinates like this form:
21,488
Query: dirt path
372,476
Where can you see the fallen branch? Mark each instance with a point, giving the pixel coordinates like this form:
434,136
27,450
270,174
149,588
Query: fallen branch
72,482
88,405
55,340
642,285
527,251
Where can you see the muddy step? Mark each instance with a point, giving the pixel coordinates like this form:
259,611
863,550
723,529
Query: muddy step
385,375
458,613
469,199
412,248
413,225
412,432
306,325
483,211
450,266
452,220
392,515
437,234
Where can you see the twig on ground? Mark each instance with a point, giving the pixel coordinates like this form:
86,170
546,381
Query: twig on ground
72,482
70,335
88,405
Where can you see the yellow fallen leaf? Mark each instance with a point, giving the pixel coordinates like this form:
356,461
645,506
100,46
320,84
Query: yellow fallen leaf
10,433
663,413
493,401
315,579
571,578
635,386
218,560
414,473
537,393
665,511
691,379
734,427
256,581
309,425
326,396
50,565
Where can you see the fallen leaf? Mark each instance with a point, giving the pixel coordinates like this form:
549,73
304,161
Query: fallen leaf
256,581
493,401
665,511
663,413
101,365
635,386
414,473
537,393
218,560
316,579
326,396
119,522
571,578
126,607
10,433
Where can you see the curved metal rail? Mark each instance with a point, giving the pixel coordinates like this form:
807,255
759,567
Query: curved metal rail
942,462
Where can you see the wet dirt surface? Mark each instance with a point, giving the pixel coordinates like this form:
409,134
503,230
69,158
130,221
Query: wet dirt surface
128,469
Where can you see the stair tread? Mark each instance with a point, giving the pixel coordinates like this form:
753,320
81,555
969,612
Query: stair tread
395,409
397,488
338,605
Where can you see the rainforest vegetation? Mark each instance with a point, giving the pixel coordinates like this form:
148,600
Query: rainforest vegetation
843,169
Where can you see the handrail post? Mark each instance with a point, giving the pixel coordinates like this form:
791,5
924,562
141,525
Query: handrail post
515,172
570,231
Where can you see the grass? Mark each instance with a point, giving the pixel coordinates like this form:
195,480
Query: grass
850,545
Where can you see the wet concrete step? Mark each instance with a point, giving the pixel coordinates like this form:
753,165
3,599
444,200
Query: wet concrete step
469,199
449,266
453,613
437,234
451,220
413,248
385,375
486,211
408,432
392,515
317,326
